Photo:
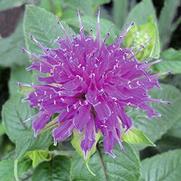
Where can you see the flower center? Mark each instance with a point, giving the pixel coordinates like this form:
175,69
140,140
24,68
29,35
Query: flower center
81,97
93,112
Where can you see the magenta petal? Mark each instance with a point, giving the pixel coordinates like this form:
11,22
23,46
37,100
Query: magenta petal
82,117
40,66
48,80
109,142
72,84
127,122
40,122
91,95
89,138
103,110
63,131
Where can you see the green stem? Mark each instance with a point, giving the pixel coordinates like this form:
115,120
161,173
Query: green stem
16,170
102,162
91,172
62,153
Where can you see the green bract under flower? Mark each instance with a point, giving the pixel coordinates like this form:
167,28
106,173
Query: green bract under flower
143,39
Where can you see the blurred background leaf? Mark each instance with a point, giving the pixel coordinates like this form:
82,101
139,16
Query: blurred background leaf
6,4
166,24
120,11
140,13
2,130
171,61
53,6
169,142
88,7
10,49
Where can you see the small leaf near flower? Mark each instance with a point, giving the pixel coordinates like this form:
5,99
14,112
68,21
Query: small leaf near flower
136,136
38,156
76,143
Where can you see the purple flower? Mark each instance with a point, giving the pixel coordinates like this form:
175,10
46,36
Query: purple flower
89,85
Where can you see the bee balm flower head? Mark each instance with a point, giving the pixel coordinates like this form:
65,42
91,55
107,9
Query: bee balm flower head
89,85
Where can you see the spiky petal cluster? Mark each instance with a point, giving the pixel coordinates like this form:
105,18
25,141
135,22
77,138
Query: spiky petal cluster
89,85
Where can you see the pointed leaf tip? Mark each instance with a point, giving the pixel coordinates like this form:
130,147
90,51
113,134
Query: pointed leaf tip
136,136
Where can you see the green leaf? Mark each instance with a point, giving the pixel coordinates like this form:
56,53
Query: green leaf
6,4
167,15
23,166
144,35
170,113
76,142
55,170
141,12
6,170
136,136
120,11
125,166
165,167
14,116
175,130
18,74
10,49
171,54
38,156
89,24
171,61
87,7
45,28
